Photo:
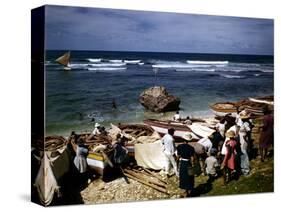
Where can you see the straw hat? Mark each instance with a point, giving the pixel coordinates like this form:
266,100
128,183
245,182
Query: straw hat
230,134
244,114
97,125
187,137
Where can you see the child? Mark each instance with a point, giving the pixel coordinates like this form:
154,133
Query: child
211,165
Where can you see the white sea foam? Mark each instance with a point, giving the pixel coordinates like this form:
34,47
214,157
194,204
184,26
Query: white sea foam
141,64
78,65
267,71
94,60
132,61
115,61
256,75
199,62
107,69
168,64
107,64
193,69
171,65
232,76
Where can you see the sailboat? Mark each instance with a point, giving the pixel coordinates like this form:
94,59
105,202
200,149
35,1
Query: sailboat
64,60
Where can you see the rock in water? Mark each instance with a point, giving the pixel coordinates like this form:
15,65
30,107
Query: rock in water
157,99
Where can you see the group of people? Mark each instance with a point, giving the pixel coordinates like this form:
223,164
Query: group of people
120,153
226,151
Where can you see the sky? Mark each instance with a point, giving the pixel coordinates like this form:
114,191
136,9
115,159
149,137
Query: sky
81,28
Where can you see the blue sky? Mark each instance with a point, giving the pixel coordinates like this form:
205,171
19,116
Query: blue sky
78,28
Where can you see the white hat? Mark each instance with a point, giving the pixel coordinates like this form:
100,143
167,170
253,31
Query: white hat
187,136
244,114
97,125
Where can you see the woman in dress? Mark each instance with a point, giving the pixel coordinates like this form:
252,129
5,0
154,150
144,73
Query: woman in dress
266,137
185,152
230,164
80,160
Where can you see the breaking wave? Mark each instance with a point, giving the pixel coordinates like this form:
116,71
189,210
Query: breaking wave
132,61
233,76
199,70
116,61
107,64
107,69
199,62
94,60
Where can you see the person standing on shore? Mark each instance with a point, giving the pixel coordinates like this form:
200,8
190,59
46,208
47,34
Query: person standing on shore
177,116
220,127
96,131
243,139
266,137
212,164
207,144
169,151
186,153
80,160
230,164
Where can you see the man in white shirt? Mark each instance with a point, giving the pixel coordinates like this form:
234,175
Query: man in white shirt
169,151
177,116
96,131
207,143
220,127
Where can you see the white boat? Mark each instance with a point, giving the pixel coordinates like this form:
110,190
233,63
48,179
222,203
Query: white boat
64,60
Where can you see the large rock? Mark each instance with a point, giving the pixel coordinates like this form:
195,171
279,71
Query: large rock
157,99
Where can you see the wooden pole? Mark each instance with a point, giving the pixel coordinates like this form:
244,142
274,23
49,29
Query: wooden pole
146,183
150,179
155,175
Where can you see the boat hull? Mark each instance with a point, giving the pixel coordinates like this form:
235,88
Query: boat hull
162,128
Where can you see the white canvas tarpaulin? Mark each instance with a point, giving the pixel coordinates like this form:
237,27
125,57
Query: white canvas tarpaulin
150,155
46,182
201,130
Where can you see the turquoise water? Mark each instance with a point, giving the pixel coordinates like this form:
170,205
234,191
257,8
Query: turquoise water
73,98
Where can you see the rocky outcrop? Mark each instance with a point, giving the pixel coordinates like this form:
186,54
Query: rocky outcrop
157,99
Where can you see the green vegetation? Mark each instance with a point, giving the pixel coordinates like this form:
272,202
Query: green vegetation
260,180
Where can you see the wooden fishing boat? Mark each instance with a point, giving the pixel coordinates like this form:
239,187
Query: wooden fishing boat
64,60
100,152
223,108
253,105
269,100
162,128
136,131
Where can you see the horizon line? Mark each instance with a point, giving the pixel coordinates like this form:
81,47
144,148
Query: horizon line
163,52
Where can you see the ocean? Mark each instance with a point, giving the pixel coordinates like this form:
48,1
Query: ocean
76,99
